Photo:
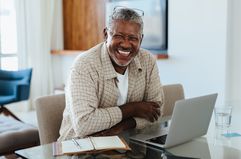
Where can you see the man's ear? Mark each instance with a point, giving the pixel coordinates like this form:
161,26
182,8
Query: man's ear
105,33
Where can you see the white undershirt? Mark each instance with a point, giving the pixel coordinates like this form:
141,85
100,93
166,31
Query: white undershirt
122,84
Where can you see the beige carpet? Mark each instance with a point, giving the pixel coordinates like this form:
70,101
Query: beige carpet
28,117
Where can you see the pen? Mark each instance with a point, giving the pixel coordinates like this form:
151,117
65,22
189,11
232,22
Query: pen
76,143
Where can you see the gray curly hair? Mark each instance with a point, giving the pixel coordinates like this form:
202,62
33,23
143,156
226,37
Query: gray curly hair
126,14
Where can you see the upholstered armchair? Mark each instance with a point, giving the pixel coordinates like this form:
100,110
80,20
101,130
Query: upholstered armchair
14,87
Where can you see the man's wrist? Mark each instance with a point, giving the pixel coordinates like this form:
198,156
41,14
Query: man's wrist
127,111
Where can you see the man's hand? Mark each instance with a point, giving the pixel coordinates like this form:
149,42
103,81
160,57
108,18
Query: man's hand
118,128
146,110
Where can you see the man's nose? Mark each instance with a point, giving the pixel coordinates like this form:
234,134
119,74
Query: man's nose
125,43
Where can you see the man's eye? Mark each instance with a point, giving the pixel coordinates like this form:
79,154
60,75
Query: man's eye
133,38
118,36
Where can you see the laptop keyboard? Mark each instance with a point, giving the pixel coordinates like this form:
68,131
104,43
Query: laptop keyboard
159,140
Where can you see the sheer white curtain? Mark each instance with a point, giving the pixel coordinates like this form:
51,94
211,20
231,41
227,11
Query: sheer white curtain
233,73
34,27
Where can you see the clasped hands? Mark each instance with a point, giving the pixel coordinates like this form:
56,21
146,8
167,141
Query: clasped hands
147,110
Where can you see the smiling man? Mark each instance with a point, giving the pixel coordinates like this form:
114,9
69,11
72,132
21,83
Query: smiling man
115,85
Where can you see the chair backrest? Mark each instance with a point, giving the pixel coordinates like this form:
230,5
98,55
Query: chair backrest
49,111
20,75
172,93
12,82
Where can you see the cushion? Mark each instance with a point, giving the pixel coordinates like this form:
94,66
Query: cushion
16,135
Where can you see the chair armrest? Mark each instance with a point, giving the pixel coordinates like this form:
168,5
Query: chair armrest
22,91
6,89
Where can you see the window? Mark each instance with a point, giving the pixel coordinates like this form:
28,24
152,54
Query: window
8,36
155,22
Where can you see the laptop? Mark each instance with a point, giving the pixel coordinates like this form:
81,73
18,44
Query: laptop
190,119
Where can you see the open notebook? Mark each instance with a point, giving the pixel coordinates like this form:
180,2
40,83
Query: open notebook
90,144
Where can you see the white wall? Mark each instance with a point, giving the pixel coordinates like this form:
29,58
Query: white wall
61,66
197,48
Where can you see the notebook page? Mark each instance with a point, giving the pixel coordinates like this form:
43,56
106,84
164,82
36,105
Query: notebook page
69,146
107,142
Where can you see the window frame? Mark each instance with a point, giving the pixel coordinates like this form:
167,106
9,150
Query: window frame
9,54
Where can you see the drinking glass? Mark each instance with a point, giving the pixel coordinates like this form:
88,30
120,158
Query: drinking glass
223,116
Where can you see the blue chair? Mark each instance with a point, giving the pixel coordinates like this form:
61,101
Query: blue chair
14,87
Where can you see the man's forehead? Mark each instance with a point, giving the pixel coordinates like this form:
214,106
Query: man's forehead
118,21
125,24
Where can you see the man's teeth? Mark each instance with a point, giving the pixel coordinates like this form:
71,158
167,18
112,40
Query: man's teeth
124,52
